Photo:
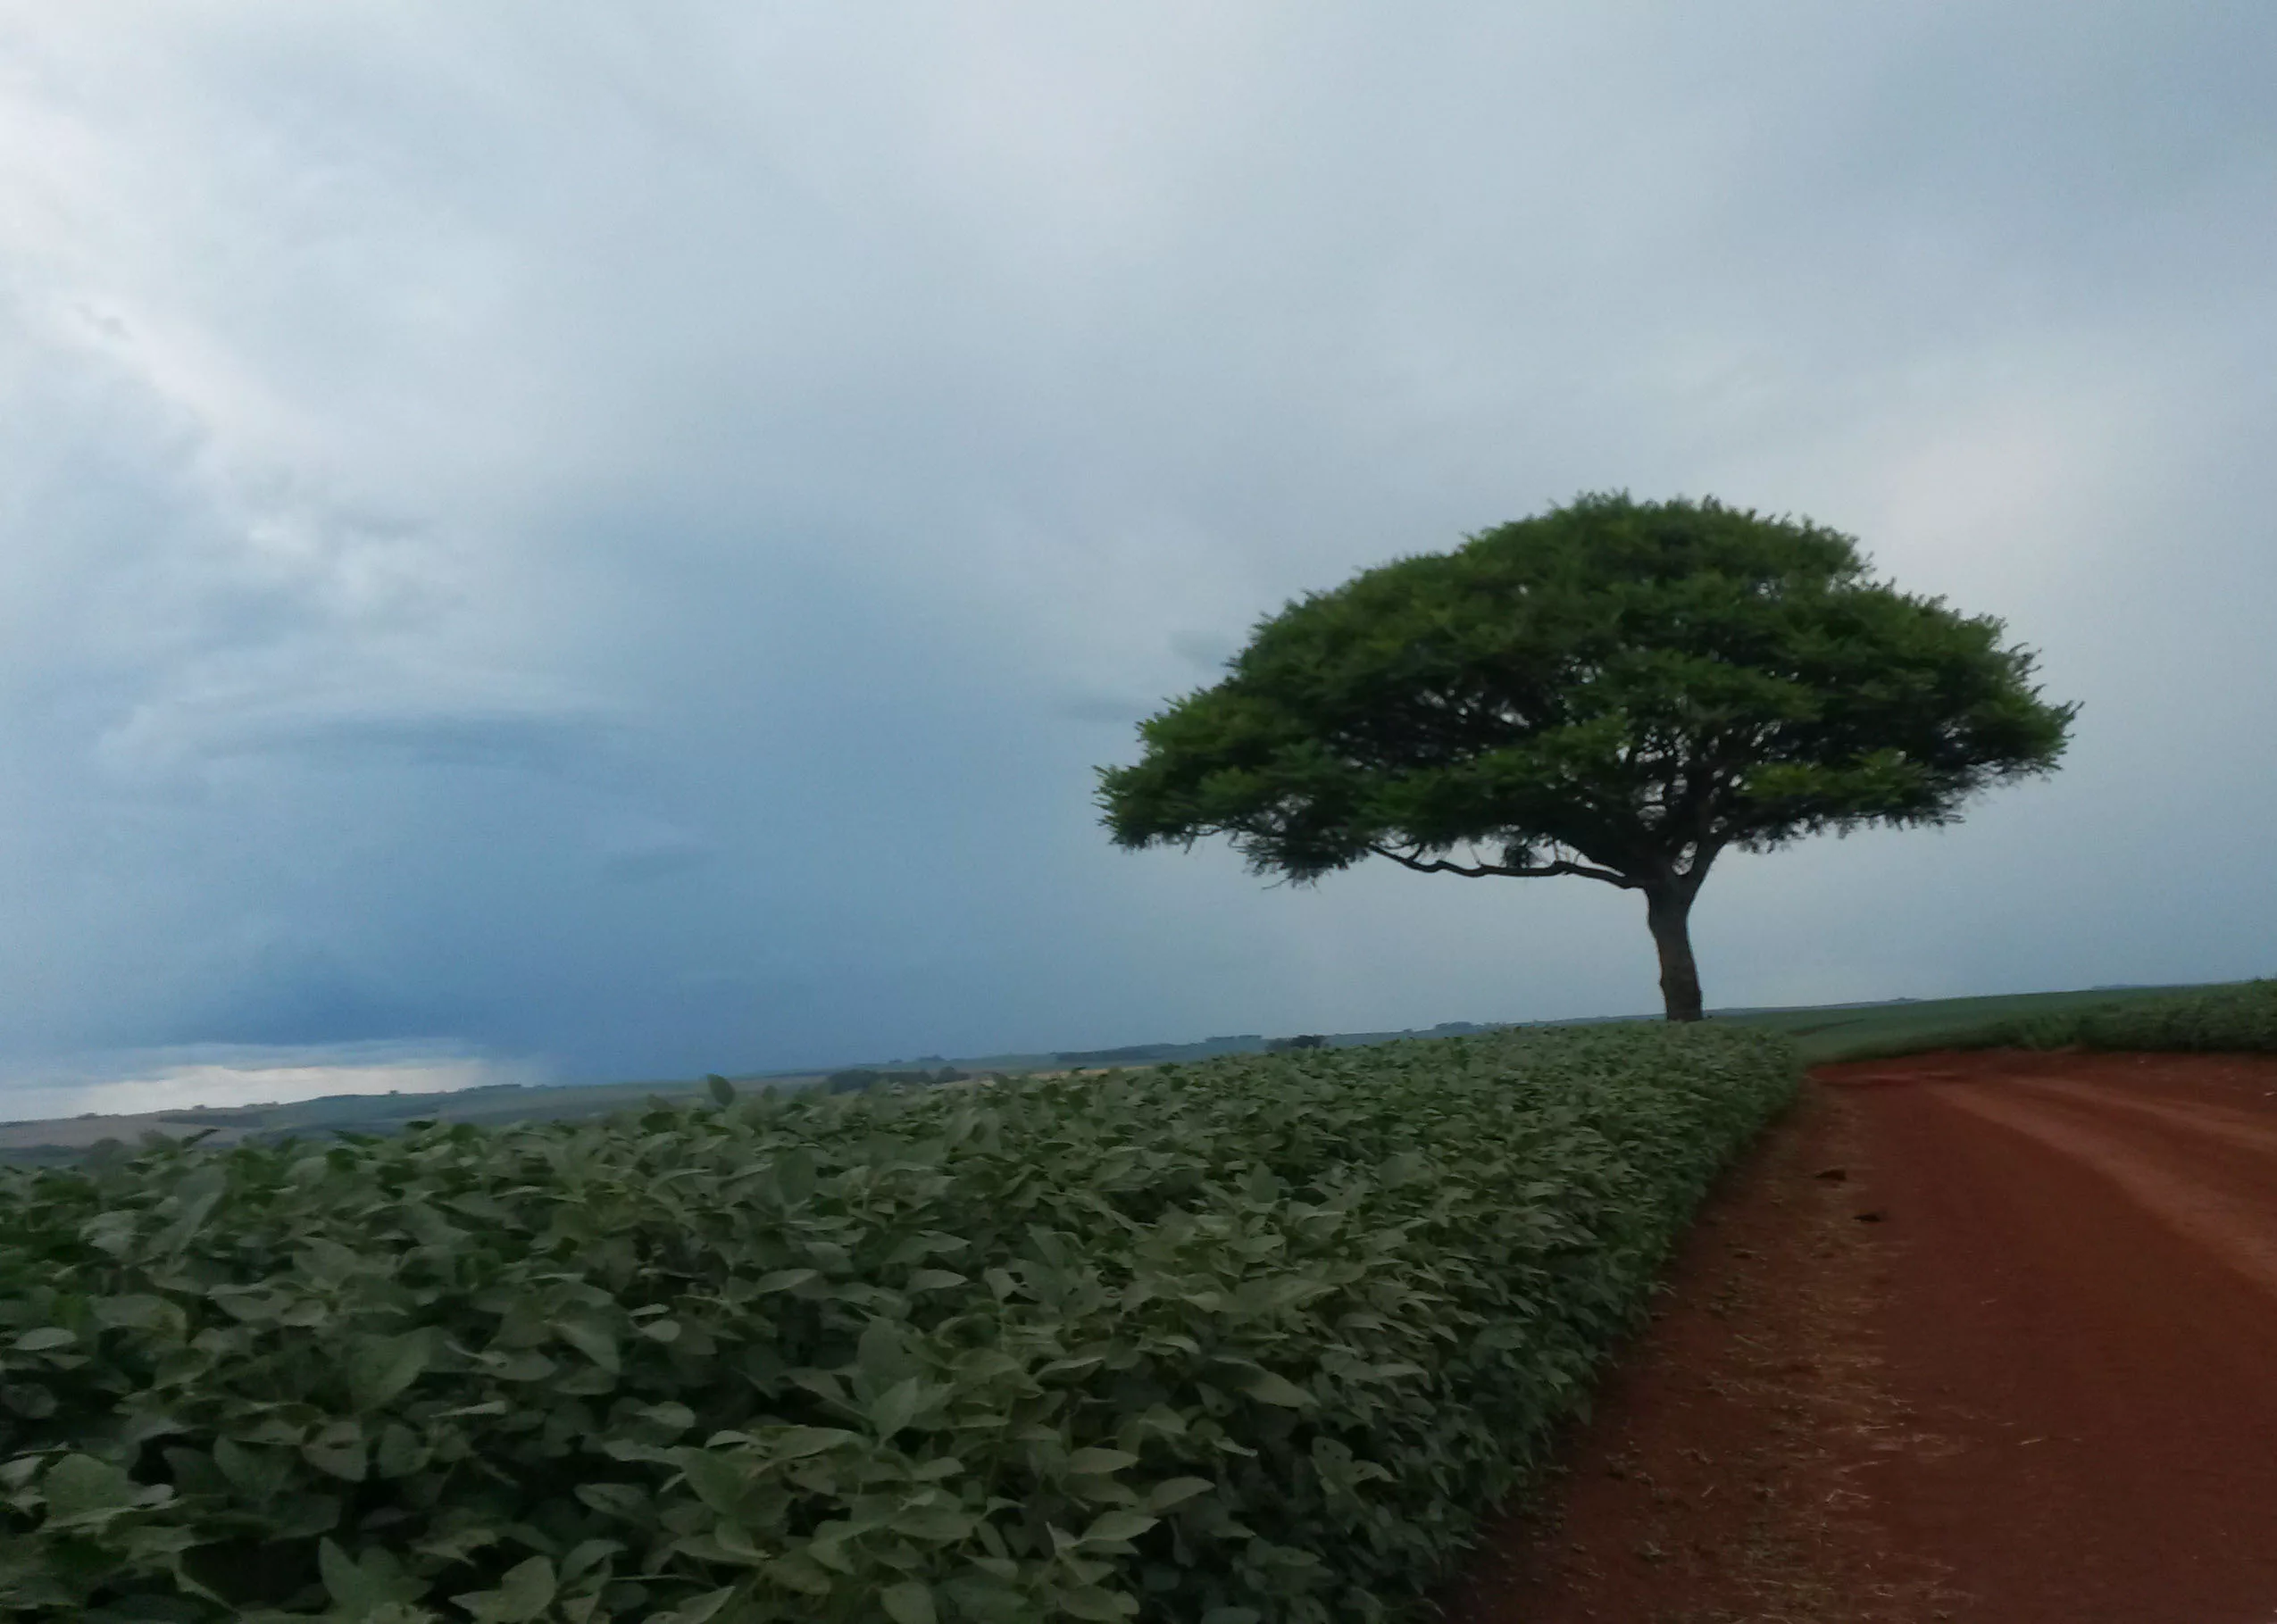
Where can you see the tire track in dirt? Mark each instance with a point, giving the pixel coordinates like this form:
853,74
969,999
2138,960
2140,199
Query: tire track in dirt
2209,1179
2082,1301
2226,1124
2040,1387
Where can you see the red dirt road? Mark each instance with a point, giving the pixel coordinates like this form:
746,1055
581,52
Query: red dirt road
2038,1385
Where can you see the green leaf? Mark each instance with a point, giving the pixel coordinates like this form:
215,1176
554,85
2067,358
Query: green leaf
80,1487
527,1365
881,1356
111,1232
136,1311
363,1587
936,1525
401,1451
194,1201
1175,1491
908,1602
1093,1603
697,1610
592,1340
461,1542
44,1339
338,1449
344,1581
379,1368
722,1090
1090,1462
718,1480
525,1591
795,1176
257,1475
797,1443
796,1572
624,1500
1118,1525
588,1554
1268,1388
894,1409
672,1415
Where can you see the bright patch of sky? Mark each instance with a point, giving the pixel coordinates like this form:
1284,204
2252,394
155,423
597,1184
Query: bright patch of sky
220,1078
618,537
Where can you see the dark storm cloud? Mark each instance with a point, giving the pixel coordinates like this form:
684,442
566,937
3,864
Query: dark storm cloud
622,540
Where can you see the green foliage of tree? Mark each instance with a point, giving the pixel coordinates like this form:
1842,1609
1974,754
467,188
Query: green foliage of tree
1614,689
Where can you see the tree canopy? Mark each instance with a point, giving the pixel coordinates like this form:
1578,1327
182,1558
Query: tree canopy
1614,689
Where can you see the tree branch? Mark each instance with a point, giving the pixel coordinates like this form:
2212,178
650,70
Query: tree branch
1413,860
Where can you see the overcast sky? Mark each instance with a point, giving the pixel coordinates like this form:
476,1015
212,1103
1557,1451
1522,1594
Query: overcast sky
613,538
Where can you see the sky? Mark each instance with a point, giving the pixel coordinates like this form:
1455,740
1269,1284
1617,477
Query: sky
608,542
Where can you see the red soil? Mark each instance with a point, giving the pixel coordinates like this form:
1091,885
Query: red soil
2038,1385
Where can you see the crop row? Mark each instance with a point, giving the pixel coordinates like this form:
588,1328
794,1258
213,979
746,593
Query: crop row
1252,1340
2236,1018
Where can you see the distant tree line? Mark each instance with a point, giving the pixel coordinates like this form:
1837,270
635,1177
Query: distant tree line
856,1079
1127,1055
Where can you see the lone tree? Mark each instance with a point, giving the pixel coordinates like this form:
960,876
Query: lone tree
1616,689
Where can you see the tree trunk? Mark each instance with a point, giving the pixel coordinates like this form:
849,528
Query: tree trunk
1669,913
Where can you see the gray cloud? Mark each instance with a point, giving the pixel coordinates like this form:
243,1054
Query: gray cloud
623,542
